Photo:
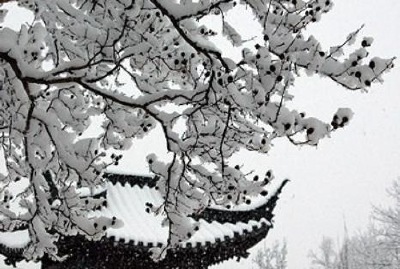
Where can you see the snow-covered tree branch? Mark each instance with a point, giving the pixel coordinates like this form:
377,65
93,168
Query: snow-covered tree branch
135,65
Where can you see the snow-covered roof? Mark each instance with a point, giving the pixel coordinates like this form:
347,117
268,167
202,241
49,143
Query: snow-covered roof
127,202
222,233
17,239
12,244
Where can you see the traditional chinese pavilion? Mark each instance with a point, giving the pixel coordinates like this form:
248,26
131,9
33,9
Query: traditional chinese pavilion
223,234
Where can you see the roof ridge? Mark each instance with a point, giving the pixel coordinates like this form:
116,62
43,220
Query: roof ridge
132,180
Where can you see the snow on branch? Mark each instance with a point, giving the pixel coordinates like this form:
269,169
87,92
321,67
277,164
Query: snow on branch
123,62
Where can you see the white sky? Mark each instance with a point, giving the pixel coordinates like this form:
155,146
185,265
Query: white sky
346,174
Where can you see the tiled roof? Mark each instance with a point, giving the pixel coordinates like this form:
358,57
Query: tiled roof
220,230
12,245
127,202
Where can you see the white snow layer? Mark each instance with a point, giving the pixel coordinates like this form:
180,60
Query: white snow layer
127,203
17,239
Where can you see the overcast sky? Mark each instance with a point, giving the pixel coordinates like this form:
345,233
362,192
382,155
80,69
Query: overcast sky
345,175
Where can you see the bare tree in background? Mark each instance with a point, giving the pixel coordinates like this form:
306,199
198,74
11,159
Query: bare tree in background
376,247
367,249
389,219
390,216
372,250
138,65
274,257
326,257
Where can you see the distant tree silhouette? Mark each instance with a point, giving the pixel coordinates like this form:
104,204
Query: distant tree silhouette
274,257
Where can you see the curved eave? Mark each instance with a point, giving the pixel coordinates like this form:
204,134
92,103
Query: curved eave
223,234
13,244
210,233
108,253
264,209
238,246
128,204
13,255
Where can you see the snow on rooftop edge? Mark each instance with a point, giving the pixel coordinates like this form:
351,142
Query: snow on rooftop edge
17,239
150,225
127,203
